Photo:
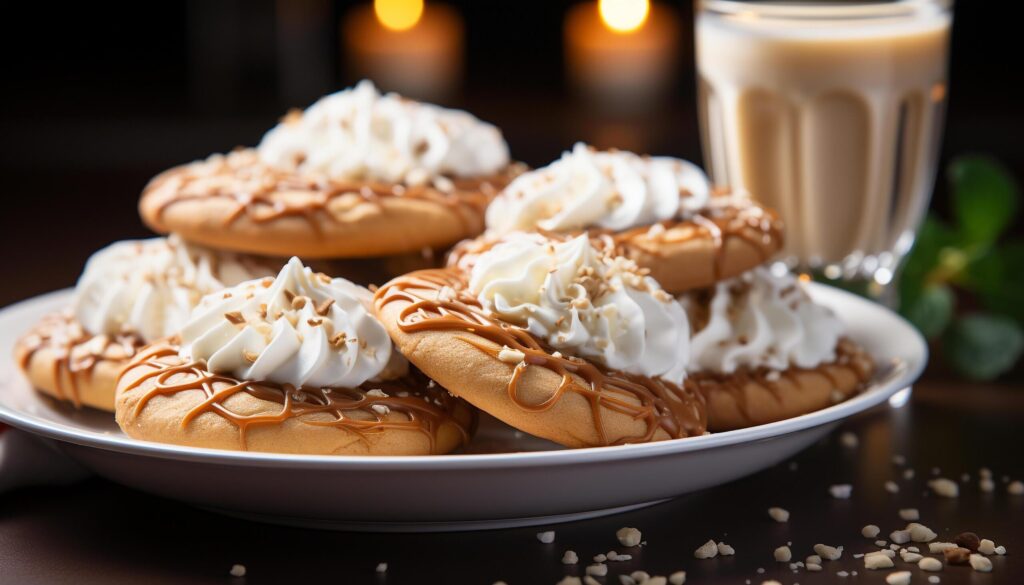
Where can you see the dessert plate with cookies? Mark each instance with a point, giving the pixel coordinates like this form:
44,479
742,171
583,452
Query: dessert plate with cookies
591,336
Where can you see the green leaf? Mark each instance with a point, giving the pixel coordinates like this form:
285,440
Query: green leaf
931,311
985,198
933,237
998,280
983,346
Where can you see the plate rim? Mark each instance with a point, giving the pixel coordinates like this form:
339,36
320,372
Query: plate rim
900,379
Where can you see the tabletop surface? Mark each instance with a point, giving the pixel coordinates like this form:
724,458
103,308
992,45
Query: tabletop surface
99,532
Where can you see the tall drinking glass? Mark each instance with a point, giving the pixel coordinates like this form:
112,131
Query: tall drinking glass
832,113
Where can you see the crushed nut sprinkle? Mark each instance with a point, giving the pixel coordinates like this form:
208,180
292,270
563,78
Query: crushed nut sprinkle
250,356
234,317
324,307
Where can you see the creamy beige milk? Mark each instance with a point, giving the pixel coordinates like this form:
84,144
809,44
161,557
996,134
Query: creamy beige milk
834,120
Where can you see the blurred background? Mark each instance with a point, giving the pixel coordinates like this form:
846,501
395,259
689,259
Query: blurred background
99,98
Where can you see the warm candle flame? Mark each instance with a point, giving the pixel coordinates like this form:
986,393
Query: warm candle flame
624,16
398,15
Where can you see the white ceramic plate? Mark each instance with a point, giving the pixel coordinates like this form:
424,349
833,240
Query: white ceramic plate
510,479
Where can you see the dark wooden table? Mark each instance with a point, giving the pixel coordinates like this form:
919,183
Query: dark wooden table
99,532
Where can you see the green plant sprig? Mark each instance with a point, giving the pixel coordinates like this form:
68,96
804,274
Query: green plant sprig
969,259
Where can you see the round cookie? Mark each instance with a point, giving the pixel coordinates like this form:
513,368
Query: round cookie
64,361
757,397
162,398
238,202
661,212
726,238
441,328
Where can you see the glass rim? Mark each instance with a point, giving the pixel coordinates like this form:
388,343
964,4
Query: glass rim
821,10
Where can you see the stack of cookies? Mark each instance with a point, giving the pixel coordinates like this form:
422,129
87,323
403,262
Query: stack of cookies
606,298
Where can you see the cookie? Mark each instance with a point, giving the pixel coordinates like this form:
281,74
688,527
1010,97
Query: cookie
358,174
603,370
661,212
130,293
762,350
164,398
65,362
748,398
295,363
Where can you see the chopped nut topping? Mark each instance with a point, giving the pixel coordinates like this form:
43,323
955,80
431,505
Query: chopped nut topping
946,488
234,317
323,307
314,322
980,564
299,302
829,553
250,356
876,561
783,554
779,514
870,531
968,540
707,550
511,356
898,578
909,514
957,555
570,558
628,536
929,564
841,491
547,537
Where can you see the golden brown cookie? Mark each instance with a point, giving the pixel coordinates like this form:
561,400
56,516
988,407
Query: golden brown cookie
237,202
749,398
728,237
162,398
64,361
725,239
502,369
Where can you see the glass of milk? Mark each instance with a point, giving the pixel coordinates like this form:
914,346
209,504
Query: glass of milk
832,113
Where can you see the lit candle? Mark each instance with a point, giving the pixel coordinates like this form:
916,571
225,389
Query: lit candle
621,52
405,46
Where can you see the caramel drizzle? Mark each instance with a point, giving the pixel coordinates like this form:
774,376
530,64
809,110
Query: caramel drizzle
426,406
849,356
75,350
722,219
256,199
679,411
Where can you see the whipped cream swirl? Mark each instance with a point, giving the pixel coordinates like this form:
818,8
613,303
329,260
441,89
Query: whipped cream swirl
300,328
616,190
585,303
759,320
149,287
359,134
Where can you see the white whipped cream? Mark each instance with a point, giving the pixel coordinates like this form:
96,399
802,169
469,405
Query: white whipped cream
300,328
149,287
359,134
584,303
616,190
761,320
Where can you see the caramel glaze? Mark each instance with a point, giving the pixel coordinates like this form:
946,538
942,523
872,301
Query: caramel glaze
426,406
849,356
679,411
724,217
256,188
76,351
